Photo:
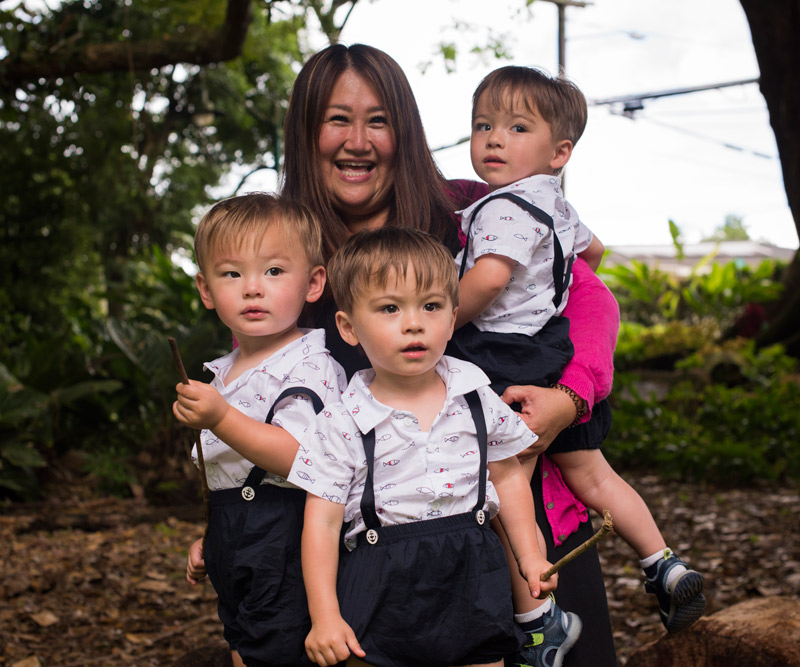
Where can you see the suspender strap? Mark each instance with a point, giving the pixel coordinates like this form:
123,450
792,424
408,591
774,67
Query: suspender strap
368,440
474,403
256,475
560,275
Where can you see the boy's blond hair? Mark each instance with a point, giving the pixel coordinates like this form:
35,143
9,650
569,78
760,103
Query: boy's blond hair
372,257
234,222
558,101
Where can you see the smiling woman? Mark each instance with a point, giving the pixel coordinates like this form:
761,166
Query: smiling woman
356,153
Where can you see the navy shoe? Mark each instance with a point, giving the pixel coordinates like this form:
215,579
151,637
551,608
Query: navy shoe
682,603
547,645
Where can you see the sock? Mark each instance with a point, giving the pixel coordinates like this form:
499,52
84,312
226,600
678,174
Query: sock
648,565
531,620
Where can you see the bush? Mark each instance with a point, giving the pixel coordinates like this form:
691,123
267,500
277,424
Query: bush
730,416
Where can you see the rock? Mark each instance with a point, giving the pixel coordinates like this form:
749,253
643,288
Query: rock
762,632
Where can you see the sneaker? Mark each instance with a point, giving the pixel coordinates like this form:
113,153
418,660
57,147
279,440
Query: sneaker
547,646
682,603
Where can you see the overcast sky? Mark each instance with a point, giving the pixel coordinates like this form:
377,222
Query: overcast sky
693,158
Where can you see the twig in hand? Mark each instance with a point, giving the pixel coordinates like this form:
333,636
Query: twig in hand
607,526
176,356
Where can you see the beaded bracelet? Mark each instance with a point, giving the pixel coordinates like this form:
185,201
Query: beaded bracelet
581,408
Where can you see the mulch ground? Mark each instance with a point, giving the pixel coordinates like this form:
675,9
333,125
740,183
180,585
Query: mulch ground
102,582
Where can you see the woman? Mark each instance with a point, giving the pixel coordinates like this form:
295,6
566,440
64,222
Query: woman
355,152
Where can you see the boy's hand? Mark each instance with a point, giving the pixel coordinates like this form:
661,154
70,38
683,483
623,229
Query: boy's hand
331,641
199,405
531,568
195,566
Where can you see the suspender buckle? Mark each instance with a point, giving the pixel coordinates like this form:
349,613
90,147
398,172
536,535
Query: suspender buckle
248,493
372,536
480,517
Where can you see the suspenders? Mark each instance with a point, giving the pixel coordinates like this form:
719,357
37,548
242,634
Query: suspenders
560,275
256,475
368,498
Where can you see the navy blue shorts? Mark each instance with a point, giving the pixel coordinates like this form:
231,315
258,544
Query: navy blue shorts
510,358
589,435
433,592
252,555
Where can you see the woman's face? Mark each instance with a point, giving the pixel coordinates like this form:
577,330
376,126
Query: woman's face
356,153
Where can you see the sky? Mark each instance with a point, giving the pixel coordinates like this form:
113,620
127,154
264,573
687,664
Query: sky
692,158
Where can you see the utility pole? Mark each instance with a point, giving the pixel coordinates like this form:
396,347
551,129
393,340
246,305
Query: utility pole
562,30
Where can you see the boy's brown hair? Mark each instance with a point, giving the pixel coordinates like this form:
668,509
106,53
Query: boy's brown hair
372,257
558,101
233,222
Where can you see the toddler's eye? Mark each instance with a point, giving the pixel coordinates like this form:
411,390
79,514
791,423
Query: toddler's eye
274,271
433,306
230,274
482,127
519,128
390,308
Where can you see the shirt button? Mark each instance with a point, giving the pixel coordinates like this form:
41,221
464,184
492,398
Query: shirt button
550,506
561,538
544,474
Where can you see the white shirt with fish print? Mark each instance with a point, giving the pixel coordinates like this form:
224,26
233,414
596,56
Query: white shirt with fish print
418,475
304,362
503,228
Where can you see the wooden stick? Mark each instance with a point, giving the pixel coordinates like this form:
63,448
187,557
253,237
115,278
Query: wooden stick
606,528
176,356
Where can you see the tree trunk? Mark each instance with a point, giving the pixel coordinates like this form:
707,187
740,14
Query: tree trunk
773,27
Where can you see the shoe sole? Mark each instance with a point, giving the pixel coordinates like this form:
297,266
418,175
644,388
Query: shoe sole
574,632
687,602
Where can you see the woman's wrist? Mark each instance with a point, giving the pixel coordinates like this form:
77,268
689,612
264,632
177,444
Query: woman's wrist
581,406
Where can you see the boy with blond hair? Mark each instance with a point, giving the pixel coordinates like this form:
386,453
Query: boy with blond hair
260,261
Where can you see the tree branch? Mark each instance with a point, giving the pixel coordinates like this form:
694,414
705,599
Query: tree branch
197,47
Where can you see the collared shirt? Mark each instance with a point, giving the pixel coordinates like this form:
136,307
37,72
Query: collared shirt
503,228
418,475
304,362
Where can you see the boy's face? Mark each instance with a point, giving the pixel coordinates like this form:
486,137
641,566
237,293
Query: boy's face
258,289
402,330
511,143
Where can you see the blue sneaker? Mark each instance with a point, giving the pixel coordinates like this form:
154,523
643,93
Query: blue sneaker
682,603
546,646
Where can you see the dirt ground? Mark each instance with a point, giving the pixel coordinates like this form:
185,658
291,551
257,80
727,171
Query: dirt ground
102,582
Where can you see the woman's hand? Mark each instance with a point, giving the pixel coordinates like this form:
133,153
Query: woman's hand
546,411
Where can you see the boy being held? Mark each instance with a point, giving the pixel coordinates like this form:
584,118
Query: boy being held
260,261
403,461
521,239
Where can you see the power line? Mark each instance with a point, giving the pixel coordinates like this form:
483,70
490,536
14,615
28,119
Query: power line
635,102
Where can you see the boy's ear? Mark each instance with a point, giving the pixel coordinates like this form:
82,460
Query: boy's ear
453,323
562,154
316,284
205,292
346,329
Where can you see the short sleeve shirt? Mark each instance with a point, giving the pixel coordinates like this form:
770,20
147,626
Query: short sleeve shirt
304,362
418,475
503,228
